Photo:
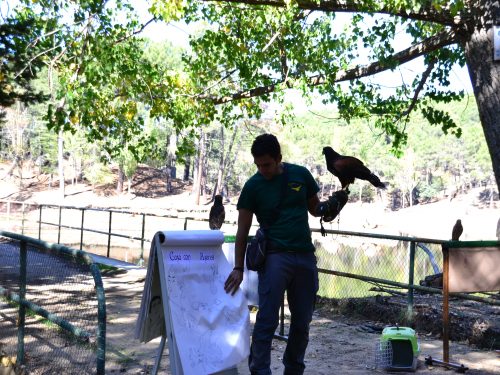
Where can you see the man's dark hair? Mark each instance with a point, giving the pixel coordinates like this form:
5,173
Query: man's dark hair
266,144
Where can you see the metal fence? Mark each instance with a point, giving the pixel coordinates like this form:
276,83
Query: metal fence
52,308
351,264
355,264
111,233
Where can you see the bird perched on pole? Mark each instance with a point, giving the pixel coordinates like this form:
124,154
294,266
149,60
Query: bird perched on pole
348,168
457,230
217,213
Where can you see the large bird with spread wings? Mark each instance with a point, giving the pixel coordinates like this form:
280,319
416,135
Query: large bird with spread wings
348,168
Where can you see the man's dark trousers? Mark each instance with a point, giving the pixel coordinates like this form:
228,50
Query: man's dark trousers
296,273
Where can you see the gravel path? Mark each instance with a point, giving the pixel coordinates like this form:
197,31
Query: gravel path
337,346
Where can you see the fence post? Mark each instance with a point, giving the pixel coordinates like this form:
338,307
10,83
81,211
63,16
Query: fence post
446,304
40,223
185,223
22,308
81,229
59,226
411,273
109,233
281,333
141,259
101,317
23,218
8,212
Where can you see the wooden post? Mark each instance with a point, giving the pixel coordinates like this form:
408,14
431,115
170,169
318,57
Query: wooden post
109,234
40,223
141,260
81,228
59,225
446,307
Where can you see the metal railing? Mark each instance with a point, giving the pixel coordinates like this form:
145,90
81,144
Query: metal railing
410,284
53,307
139,227
21,217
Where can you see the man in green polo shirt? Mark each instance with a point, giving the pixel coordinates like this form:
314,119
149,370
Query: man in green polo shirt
290,262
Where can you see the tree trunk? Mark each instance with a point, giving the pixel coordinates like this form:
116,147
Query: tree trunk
60,162
20,169
225,161
73,165
168,179
204,167
485,78
198,180
172,148
13,166
170,168
121,178
230,160
187,168
220,170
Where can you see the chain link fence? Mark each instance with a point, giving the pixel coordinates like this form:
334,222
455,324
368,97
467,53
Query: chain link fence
52,308
352,265
358,259
365,266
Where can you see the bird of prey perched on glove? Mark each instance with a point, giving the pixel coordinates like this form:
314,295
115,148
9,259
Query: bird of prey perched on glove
348,168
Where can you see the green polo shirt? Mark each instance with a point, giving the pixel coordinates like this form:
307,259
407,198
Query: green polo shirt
290,232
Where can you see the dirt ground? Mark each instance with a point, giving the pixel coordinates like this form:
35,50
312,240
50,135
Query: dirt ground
338,344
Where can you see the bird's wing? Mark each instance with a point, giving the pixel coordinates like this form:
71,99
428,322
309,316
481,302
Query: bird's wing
219,219
344,163
330,165
362,172
217,216
354,167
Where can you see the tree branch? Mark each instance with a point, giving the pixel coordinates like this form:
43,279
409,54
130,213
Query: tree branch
28,64
433,43
420,87
218,82
426,13
138,31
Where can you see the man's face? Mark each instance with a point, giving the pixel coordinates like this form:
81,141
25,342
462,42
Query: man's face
267,166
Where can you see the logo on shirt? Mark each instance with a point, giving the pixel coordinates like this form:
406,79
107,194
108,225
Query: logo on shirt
295,186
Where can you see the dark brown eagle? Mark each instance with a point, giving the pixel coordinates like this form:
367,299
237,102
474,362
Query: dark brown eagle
348,168
217,213
457,231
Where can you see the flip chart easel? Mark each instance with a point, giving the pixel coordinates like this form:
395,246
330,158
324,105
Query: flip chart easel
184,302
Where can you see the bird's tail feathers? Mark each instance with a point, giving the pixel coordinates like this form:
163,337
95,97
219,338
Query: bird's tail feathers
375,181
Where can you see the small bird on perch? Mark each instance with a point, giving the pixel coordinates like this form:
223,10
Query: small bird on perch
457,230
348,168
217,213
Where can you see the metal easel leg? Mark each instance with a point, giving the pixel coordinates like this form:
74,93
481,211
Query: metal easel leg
159,354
